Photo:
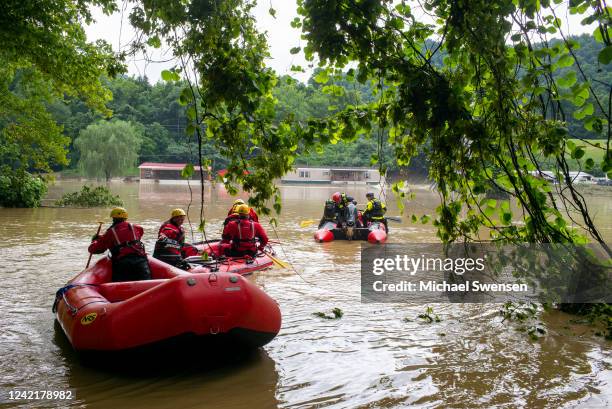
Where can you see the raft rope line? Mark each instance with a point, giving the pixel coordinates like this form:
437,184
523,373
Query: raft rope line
61,294
290,262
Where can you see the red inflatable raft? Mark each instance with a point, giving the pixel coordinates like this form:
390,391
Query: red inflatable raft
99,315
239,265
375,233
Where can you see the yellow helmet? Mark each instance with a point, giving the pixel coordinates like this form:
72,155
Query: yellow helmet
119,213
242,209
178,212
238,201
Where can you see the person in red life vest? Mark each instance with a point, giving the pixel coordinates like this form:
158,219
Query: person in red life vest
170,246
128,255
233,213
242,234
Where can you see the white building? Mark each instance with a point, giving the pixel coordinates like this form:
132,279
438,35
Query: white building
582,177
170,173
336,175
576,177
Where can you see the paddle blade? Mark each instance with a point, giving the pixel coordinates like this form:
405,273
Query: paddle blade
278,262
306,223
394,218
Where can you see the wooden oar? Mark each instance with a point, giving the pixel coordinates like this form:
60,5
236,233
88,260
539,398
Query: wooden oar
277,261
97,233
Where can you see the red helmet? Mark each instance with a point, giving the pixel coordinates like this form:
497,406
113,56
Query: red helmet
336,197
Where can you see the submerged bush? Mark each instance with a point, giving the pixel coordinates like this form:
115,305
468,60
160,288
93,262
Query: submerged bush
90,196
21,189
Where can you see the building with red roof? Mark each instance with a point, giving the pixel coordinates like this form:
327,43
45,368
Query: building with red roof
168,172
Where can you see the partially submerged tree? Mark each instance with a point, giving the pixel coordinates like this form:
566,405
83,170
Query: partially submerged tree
108,148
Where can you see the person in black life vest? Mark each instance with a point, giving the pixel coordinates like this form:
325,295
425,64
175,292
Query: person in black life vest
342,201
330,213
170,244
128,255
242,234
374,212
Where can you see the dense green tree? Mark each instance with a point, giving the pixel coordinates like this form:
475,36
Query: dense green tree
108,148
48,37
44,53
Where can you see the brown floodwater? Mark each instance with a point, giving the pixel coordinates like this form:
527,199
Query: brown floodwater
369,358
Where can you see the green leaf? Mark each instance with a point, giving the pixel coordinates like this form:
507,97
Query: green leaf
566,60
185,96
506,218
584,111
272,12
296,23
578,153
295,50
580,93
605,55
598,35
154,42
567,80
593,124
322,77
166,75
187,171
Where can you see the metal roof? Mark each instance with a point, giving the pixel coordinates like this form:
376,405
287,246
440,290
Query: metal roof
165,166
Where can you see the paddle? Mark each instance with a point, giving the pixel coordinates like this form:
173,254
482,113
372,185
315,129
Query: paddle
277,261
207,241
306,223
91,254
394,218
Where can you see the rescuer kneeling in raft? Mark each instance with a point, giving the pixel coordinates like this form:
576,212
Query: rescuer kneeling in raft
170,246
240,235
129,259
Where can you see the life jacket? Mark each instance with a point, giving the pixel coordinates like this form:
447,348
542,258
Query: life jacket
344,201
329,211
170,240
375,210
246,239
230,217
126,242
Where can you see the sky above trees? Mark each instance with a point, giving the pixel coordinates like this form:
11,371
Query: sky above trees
282,37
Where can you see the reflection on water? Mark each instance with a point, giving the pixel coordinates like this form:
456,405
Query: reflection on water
369,358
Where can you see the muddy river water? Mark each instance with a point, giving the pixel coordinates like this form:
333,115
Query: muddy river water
369,358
